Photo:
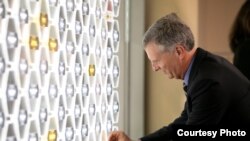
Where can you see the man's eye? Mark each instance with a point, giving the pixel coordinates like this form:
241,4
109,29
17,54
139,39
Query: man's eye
155,62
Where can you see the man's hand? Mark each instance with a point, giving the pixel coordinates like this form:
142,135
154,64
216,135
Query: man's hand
118,136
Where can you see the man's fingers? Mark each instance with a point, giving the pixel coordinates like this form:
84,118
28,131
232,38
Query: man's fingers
114,136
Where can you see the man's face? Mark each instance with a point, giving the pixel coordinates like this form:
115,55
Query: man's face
168,62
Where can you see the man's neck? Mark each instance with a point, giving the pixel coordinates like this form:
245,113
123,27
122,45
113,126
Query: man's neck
187,61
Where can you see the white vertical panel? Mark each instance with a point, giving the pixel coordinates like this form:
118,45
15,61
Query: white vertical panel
60,69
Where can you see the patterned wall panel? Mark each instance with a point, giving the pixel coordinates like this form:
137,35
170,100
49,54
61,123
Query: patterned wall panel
59,69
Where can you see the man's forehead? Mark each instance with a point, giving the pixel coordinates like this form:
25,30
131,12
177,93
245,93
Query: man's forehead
153,52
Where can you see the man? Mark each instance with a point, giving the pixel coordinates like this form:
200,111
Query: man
217,93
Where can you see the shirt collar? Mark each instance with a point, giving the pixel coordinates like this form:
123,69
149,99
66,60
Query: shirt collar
186,76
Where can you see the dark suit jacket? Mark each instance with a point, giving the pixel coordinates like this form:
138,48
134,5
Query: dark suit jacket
218,94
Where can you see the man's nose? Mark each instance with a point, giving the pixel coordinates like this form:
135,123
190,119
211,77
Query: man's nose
155,68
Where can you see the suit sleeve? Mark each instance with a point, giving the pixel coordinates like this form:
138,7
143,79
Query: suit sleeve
166,133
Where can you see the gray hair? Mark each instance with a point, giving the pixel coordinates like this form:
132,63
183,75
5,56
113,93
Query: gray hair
169,31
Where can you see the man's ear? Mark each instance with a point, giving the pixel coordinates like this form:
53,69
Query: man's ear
180,51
